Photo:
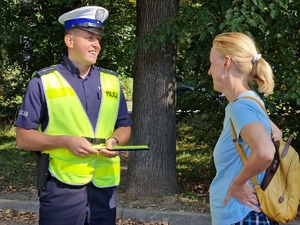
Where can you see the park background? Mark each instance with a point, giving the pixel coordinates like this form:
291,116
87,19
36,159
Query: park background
155,46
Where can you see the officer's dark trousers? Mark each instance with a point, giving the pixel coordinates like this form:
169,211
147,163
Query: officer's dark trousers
62,204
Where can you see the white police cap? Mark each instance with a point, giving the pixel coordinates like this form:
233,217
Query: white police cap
90,18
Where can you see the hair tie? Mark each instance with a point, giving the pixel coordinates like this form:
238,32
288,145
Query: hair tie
256,58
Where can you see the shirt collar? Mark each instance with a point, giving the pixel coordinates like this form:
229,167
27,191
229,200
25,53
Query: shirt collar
68,64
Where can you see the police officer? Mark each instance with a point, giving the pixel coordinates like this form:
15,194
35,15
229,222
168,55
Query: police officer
69,111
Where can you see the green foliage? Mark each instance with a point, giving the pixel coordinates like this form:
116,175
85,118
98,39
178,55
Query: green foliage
9,91
117,44
275,26
279,42
32,39
127,87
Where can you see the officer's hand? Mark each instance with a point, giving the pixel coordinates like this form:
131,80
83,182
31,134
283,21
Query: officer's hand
107,152
79,146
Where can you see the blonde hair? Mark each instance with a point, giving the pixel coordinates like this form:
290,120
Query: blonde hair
242,50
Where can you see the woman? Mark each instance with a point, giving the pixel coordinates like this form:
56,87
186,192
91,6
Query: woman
235,63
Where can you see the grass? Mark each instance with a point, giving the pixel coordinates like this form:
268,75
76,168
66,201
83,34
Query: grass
17,167
194,157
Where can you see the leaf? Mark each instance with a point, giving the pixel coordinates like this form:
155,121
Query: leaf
273,14
254,2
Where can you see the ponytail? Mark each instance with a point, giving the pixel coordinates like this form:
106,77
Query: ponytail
262,75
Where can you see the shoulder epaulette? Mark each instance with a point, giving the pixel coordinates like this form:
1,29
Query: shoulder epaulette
108,71
45,70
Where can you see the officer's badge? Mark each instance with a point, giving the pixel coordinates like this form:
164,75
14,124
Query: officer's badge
100,14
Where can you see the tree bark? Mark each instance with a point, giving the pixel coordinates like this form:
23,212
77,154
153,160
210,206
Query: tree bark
153,172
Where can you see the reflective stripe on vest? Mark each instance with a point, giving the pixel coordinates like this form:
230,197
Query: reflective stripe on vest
68,117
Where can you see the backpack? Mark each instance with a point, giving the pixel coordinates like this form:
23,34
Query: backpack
279,192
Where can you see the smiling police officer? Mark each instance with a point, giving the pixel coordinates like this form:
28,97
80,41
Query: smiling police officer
68,110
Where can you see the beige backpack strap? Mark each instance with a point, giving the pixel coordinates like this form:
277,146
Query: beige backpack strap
255,99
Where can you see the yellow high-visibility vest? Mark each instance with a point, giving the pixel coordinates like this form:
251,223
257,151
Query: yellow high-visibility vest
68,117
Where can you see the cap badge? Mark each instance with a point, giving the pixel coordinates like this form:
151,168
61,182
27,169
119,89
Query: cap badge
99,16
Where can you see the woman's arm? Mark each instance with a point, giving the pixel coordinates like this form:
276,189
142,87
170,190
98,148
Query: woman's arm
262,148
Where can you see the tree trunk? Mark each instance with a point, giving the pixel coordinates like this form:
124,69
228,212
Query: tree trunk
153,172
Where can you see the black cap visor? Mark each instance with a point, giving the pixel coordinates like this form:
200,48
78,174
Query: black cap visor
93,30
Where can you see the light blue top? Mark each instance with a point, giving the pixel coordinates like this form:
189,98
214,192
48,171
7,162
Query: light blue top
228,162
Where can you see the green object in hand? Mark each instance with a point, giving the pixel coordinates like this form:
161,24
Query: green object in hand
127,148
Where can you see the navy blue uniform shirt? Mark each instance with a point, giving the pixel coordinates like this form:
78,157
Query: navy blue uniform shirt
33,110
